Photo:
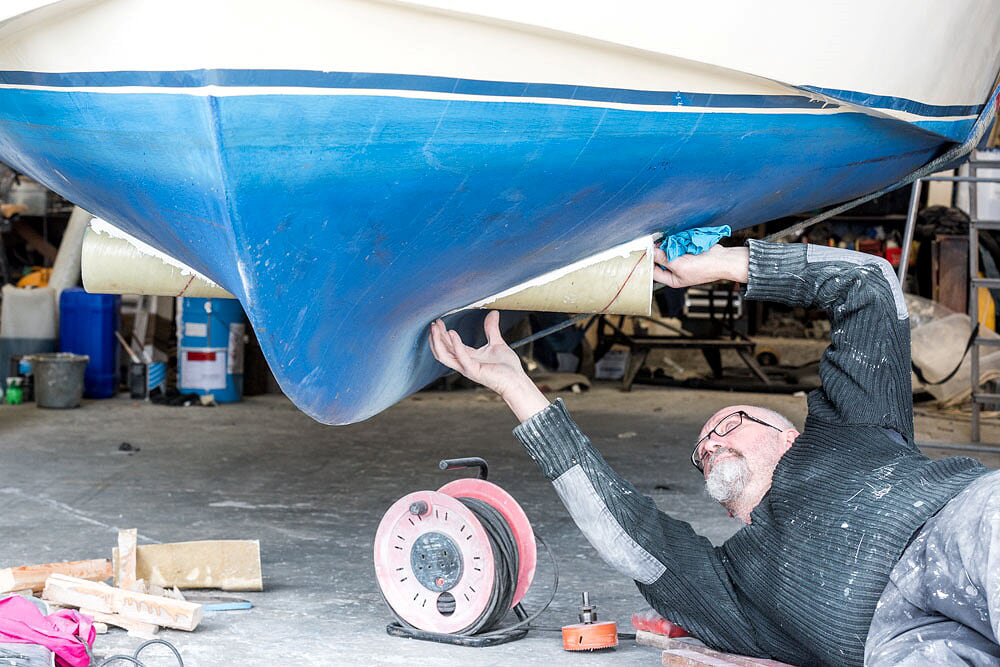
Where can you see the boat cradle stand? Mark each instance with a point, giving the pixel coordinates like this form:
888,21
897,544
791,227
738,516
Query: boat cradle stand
639,346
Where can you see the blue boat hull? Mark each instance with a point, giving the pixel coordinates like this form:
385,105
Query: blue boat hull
346,223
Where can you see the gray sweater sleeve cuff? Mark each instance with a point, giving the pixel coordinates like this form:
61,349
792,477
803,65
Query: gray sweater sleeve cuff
777,273
552,439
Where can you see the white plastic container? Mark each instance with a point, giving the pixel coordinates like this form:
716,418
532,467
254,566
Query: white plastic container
27,323
33,196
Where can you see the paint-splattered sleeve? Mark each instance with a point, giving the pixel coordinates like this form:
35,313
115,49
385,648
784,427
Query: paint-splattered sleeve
679,572
865,371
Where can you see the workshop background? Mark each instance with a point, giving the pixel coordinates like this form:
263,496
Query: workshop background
156,483
180,454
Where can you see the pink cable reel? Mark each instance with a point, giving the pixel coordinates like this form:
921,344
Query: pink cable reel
451,563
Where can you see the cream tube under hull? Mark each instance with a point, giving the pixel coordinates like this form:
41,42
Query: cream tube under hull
112,265
615,282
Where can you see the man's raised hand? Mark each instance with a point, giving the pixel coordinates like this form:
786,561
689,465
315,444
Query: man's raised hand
717,263
495,365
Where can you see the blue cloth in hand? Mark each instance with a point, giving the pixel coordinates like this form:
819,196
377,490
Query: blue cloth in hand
693,241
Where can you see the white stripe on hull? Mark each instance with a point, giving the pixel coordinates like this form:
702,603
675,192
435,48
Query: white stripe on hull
238,91
882,48
233,91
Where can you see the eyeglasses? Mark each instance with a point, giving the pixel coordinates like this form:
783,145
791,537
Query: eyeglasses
726,425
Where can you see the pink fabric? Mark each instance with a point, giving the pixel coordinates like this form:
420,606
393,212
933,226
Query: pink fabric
62,633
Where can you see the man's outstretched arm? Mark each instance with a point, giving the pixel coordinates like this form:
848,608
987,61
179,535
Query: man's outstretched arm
865,371
679,572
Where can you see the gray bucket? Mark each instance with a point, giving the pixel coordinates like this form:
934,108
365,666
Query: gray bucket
59,379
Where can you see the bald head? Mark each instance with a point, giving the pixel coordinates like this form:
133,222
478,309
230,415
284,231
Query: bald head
764,414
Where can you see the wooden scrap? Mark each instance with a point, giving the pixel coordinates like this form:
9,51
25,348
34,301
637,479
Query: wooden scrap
134,628
133,606
683,653
687,658
7,210
173,593
125,563
34,576
230,565
74,592
100,628
35,240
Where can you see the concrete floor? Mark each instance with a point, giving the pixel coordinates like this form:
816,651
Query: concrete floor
313,495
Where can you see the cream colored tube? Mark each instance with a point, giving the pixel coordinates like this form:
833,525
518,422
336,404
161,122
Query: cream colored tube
615,282
113,265
66,268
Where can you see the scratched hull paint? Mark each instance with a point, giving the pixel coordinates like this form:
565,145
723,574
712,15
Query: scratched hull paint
346,210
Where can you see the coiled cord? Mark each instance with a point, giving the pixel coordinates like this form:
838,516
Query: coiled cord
526,620
506,567
506,563
134,658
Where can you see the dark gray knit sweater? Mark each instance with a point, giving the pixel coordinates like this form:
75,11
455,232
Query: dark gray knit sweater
801,582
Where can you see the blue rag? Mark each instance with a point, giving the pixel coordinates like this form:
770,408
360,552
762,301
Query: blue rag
693,241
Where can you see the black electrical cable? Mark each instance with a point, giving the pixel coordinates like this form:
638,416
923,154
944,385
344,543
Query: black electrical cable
506,562
920,374
134,658
527,621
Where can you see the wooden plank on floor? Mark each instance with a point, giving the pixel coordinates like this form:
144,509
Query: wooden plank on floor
230,565
135,628
33,576
685,658
681,653
106,599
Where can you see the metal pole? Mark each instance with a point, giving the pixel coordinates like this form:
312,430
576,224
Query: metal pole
962,179
551,330
988,449
911,223
974,299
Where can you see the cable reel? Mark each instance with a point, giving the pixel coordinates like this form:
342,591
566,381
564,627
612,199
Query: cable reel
451,563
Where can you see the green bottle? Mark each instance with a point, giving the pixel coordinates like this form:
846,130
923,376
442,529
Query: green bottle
15,394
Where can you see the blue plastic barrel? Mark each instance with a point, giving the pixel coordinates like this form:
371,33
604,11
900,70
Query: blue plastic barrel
87,325
210,355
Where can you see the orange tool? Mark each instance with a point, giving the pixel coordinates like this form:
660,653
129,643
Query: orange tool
589,634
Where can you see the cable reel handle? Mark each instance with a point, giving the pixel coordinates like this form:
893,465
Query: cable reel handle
466,462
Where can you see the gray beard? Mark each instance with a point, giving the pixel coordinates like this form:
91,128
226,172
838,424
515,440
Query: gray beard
728,480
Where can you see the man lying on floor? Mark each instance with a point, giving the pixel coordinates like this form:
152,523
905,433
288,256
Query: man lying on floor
857,549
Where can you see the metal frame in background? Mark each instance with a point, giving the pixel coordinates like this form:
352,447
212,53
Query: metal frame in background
975,282
641,345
